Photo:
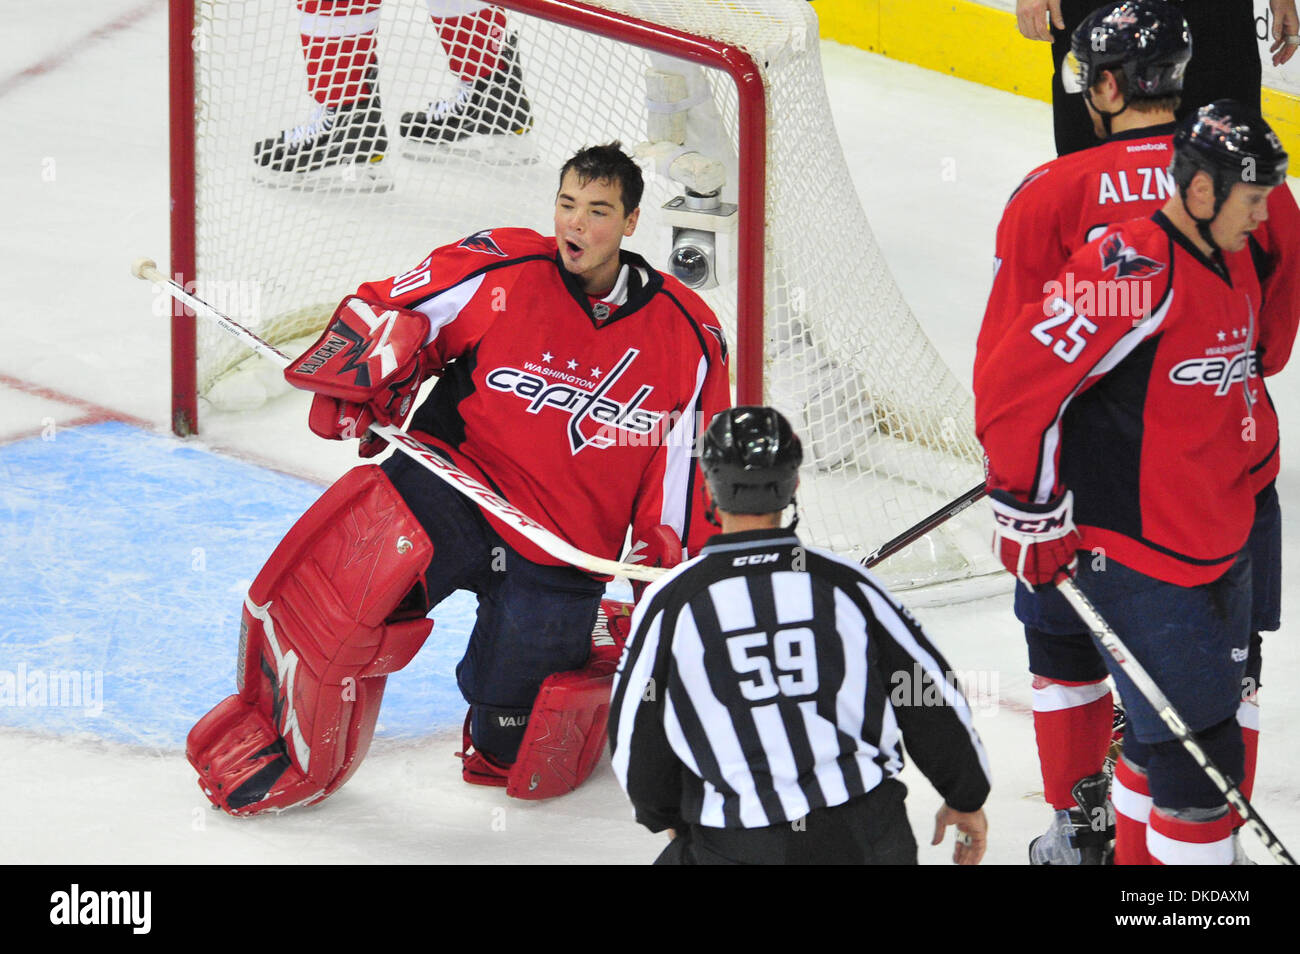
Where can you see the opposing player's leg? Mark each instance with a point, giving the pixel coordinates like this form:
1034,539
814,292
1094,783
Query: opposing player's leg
339,605
1193,642
491,100
1073,719
345,131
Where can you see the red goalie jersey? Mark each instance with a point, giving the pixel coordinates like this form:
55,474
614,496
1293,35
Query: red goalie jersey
582,413
1066,203
1132,383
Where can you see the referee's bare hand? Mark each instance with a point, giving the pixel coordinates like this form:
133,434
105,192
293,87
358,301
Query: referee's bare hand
1031,18
1286,30
972,833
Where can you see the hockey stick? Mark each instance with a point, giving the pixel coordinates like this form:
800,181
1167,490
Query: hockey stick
421,453
915,533
1147,686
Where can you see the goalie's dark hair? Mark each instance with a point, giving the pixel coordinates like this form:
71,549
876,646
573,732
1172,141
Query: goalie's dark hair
609,163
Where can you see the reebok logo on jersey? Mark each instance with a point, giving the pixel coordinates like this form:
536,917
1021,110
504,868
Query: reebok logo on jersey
1219,372
581,404
1126,261
482,242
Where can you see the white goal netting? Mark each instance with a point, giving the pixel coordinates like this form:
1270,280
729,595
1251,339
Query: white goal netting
887,428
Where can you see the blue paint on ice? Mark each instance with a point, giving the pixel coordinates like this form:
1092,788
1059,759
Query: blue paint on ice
124,558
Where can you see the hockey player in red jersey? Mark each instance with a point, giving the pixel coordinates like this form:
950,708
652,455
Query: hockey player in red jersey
1131,56
1125,398
573,380
347,126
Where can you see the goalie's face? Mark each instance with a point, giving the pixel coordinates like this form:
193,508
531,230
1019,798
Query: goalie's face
590,225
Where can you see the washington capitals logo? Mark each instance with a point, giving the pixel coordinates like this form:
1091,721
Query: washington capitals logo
1126,261
482,242
584,407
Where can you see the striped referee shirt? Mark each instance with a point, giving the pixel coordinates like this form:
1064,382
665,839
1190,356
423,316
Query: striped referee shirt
756,686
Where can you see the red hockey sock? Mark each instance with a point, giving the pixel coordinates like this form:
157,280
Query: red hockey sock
338,45
1131,796
1072,722
1175,841
473,41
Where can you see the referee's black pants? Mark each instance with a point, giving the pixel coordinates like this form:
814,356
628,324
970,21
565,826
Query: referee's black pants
869,830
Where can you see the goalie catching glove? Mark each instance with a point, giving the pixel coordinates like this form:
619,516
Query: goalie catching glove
1036,542
366,367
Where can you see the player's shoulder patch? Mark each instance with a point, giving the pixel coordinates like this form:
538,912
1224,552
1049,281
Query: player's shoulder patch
482,242
505,243
1029,180
1123,254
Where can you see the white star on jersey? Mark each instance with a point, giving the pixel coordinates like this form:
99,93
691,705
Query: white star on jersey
547,356
572,364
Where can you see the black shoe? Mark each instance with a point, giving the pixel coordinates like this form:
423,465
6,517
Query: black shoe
333,136
1083,835
496,106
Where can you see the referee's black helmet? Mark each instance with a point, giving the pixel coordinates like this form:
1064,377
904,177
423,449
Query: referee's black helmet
751,459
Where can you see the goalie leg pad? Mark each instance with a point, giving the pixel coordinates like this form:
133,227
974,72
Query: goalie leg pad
339,605
566,730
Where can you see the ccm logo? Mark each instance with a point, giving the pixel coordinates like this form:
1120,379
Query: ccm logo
1035,525
755,559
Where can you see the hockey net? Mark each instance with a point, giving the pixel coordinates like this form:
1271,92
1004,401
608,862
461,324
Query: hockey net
819,329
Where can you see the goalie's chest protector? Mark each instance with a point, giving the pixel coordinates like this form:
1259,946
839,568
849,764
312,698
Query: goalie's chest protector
579,422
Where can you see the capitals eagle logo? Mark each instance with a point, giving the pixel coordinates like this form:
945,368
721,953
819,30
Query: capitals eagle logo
1126,261
482,242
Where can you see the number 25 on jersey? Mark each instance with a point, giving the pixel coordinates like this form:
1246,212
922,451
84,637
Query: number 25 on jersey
1062,312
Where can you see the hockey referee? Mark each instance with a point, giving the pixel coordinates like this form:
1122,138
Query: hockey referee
752,715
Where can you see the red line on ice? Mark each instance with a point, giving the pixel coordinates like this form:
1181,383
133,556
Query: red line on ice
58,58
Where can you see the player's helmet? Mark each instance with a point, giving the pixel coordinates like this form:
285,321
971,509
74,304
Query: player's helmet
1146,40
1232,144
751,460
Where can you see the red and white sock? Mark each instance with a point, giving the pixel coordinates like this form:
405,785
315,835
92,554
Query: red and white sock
338,44
1131,796
471,34
1248,719
1072,722
1176,841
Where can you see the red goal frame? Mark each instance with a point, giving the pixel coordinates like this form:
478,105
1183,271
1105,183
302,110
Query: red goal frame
661,39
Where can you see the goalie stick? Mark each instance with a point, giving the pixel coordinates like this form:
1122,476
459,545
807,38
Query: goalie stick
1147,686
421,453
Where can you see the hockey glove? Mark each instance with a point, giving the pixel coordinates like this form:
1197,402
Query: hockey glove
1036,542
366,366
661,547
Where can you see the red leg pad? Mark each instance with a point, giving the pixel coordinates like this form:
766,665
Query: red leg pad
566,731
324,623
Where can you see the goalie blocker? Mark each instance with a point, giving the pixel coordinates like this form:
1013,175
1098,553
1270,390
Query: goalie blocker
341,604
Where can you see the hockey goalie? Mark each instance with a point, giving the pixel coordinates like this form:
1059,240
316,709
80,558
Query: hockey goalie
572,379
